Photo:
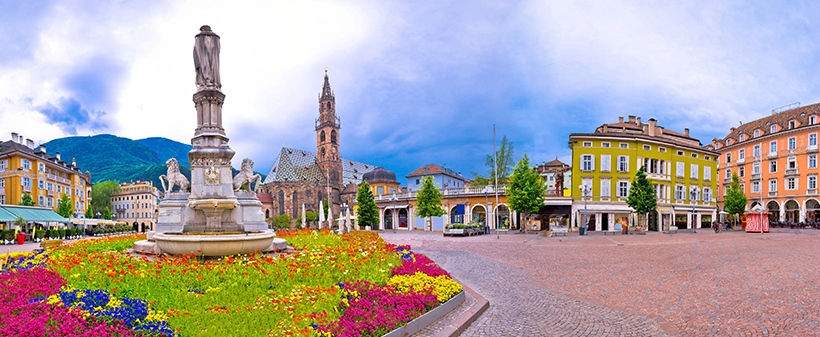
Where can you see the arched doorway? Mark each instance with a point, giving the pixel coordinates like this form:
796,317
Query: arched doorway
455,215
402,218
388,219
753,205
812,210
774,208
142,227
503,219
135,226
479,215
792,211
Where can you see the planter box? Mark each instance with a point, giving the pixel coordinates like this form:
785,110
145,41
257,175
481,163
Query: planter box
454,231
428,318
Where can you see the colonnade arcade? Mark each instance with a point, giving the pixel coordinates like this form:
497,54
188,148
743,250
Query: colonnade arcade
790,210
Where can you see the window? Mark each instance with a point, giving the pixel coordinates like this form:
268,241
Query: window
623,163
707,173
812,184
693,171
791,184
587,183
706,157
792,163
728,142
41,167
50,202
772,166
757,133
605,184
728,158
679,193
680,153
417,181
662,149
707,194
694,155
380,190
41,201
756,150
679,169
813,139
25,164
755,187
606,165
792,143
773,129
743,187
40,183
741,138
587,162
26,182
623,189
773,146
741,171
624,145
587,144
791,124
813,161
392,190
4,164
605,144
756,168
741,154
647,147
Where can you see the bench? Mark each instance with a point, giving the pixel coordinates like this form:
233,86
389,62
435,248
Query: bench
5,259
562,231
46,244
613,232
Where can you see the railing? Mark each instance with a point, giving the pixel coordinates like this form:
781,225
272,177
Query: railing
50,193
812,191
772,154
50,176
466,190
790,172
659,176
2,191
64,180
741,161
773,193
811,148
26,188
756,176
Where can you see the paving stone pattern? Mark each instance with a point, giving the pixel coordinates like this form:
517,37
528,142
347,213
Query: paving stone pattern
441,323
705,284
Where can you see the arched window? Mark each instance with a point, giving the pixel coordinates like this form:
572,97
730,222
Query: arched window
333,136
295,205
322,136
323,153
328,105
307,196
281,202
267,213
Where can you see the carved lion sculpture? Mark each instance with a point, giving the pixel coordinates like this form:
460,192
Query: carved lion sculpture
174,177
246,176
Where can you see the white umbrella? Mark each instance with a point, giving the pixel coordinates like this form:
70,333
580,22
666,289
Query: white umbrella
303,216
348,225
321,214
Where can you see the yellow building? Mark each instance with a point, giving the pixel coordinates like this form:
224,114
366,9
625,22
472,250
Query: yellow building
26,169
606,161
136,204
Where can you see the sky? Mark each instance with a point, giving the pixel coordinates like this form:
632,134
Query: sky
416,83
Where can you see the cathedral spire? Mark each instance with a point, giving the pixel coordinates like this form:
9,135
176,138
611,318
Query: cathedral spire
326,92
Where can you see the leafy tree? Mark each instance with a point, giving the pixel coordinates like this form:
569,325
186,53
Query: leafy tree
641,195
64,207
428,201
282,221
106,213
26,200
479,180
526,191
368,212
102,192
89,212
735,199
311,216
505,162
325,207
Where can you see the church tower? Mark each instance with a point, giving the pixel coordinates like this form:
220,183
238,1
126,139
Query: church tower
327,139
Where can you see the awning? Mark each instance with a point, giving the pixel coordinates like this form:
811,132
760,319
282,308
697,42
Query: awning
35,214
6,216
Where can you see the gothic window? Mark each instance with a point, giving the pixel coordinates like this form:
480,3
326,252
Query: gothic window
307,196
267,213
322,136
333,136
295,205
328,105
281,202
323,153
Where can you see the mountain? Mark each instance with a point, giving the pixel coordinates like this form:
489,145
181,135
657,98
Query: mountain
108,157
167,149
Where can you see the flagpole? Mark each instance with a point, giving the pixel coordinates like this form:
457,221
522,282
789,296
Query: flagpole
495,170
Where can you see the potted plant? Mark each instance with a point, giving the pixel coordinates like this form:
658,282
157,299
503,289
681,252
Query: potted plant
40,235
8,236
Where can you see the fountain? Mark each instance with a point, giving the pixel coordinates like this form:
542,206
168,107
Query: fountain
212,215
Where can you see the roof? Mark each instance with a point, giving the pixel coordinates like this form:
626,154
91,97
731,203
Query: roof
350,188
9,147
801,115
5,216
555,163
434,169
264,197
300,165
34,213
379,174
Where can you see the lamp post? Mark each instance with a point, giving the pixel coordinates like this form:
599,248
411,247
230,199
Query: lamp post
585,189
693,193
760,187
486,210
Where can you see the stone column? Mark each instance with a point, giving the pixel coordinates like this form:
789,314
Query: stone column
381,218
598,218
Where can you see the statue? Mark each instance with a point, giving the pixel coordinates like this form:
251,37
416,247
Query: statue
206,59
246,176
174,177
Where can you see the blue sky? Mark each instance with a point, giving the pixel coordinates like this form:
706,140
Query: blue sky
416,82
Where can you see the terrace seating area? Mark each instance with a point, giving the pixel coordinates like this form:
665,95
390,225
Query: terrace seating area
794,225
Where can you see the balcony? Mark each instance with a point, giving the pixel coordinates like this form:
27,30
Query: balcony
811,148
50,176
2,191
27,189
63,180
772,193
466,190
741,161
811,191
791,172
659,176
772,154
50,193
756,176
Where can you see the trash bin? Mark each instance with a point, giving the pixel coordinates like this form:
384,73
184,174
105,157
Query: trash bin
582,231
486,229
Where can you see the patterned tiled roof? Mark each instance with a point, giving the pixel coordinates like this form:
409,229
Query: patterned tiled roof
299,165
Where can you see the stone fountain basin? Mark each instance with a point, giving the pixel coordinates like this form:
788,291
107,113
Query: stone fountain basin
214,244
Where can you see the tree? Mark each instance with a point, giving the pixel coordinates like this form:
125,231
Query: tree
26,200
282,221
428,202
325,207
526,191
89,212
102,192
504,164
642,195
479,180
64,207
368,212
106,213
735,200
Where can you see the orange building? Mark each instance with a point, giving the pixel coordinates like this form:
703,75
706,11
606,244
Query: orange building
26,169
776,160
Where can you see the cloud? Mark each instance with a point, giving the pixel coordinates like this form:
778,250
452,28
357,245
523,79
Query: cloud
68,114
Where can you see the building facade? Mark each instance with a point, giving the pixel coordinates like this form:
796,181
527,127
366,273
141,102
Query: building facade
26,169
607,160
442,177
136,203
776,159
556,173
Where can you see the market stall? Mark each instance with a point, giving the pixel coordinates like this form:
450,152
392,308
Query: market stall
753,221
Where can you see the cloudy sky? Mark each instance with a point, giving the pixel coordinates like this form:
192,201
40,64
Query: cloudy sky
416,83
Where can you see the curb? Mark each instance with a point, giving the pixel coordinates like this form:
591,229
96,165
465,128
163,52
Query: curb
463,321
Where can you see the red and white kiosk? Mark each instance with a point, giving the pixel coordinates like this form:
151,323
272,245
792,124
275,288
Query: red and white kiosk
754,221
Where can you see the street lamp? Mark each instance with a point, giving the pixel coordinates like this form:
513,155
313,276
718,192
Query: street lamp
693,193
393,198
486,210
585,189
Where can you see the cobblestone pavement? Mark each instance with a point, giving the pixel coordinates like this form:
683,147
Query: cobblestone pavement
705,284
439,325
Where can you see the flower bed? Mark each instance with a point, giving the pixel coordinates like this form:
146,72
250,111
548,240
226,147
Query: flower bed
351,285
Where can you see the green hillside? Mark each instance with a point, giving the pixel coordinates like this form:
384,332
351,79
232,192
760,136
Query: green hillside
167,148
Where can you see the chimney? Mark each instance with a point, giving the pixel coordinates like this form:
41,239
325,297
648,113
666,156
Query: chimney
20,139
731,130
631,119
30,144
605,128
42,148
686,131
639,121
14,137
58,156
652,124
620,119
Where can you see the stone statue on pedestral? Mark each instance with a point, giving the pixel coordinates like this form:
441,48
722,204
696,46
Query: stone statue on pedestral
206,59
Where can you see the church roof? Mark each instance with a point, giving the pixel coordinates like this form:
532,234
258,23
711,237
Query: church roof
299,165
